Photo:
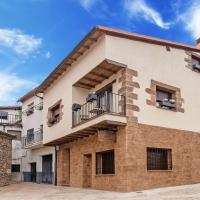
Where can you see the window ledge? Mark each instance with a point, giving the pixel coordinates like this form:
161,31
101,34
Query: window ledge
102,175
173,110
169,170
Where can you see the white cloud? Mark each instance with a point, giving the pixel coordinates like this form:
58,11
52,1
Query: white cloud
19,42
87,4
191,19
139,8
47,55
12,87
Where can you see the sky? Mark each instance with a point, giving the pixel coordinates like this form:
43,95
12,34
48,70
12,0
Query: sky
35,35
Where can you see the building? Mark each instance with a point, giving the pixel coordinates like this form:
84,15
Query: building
37,161
10,122
123,110
5,158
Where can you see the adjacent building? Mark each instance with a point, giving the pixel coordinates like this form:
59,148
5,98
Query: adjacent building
123,110
5,158
10,123
38,161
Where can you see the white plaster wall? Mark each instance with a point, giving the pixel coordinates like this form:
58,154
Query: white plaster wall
155,62
34,120
62,89
35,155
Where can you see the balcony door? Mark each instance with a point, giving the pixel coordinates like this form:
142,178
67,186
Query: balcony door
104,101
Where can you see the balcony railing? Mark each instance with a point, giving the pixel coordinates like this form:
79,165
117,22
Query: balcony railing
105,103
9,119
32,139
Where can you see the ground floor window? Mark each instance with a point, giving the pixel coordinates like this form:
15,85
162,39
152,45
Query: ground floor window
15,168
159,159
105,162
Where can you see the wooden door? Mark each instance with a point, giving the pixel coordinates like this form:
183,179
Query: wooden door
87,170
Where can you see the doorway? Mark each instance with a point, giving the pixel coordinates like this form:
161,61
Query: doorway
47,175
66,167
33,172
87,170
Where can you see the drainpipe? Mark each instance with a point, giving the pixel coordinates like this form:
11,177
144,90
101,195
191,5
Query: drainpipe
55,165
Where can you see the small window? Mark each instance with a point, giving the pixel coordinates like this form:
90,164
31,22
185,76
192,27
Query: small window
30,109
54,114
15,168
165,99
105,162
30,135
3,115
196,63
159,159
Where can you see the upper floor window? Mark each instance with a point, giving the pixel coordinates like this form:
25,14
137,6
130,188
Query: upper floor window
30,109
30,135
196,63
165,98
54,113
159,159
3,115
105,162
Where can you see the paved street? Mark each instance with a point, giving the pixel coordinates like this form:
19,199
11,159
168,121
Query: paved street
29,191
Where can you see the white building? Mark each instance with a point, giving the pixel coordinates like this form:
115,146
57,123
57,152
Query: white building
38,162
10,122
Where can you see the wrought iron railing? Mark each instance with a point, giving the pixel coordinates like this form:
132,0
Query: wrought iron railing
32,138
10,119
104,103
30,110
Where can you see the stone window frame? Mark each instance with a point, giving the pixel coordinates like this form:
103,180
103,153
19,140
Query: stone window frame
176,95
49,114
188,59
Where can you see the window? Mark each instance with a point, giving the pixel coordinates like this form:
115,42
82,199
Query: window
165,99
30,135
196,63
159,159
54,114
15,168
105,162
30,109
3,115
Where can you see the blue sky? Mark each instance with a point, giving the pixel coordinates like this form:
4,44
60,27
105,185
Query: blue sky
35,35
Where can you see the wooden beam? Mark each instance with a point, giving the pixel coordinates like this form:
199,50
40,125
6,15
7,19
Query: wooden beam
87,85
92,80
92,39
109,70
99,75
81,86
86,46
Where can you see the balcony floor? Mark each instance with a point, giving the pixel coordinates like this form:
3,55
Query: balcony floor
104,121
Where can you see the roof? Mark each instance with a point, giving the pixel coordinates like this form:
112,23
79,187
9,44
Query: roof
4,134
93,37
10,107
28,95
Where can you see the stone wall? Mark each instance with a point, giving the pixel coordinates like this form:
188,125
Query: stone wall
89,146
5,160
185,147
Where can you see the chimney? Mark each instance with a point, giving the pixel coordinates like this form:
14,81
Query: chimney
198,43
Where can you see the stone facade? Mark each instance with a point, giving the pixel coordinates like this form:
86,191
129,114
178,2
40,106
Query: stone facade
131,172
5,158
